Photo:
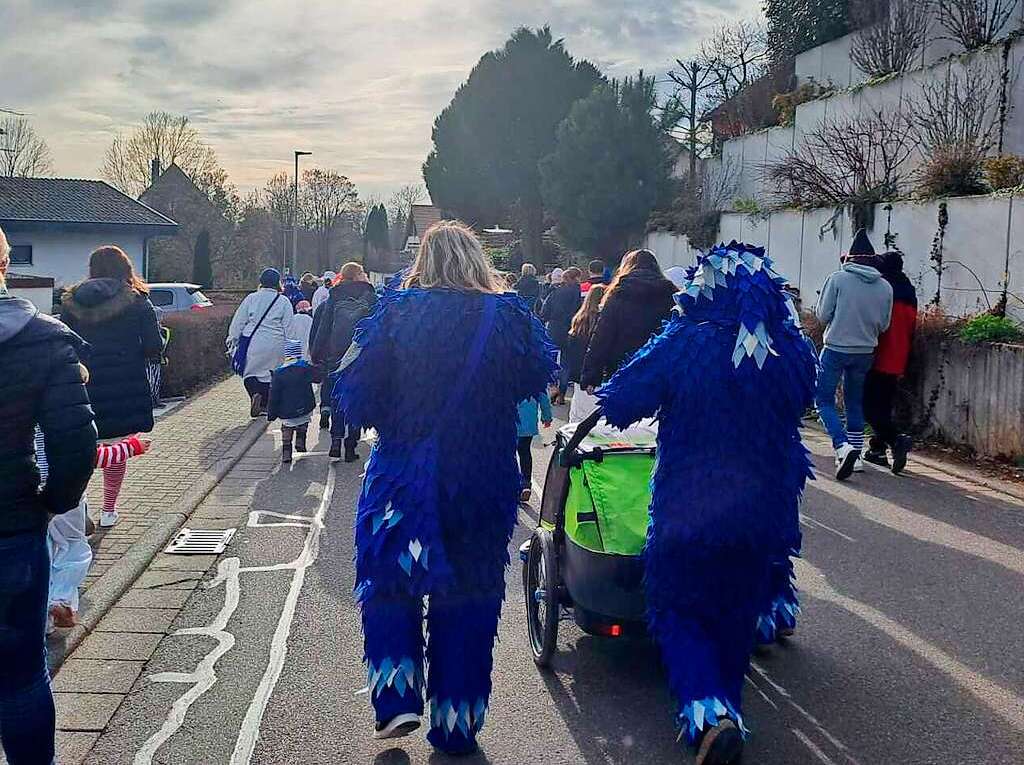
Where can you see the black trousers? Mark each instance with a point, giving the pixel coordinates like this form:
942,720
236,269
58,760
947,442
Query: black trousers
254,385
879,394
525,459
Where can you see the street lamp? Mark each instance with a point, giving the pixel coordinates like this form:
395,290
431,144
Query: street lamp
295,208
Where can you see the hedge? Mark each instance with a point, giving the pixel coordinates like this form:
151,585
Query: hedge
196,352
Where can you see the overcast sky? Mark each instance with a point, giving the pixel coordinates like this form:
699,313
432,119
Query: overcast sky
357,83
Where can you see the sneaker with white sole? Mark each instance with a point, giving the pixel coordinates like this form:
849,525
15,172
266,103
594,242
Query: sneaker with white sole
858,465
846,458
108,518
397,726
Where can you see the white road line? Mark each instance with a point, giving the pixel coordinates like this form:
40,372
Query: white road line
812,747
807,520
205,676
761,693
1000,700
247,737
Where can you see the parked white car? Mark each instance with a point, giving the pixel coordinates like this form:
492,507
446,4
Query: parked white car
172,297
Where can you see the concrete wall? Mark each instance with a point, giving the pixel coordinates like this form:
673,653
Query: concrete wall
40,297
983,240
64,255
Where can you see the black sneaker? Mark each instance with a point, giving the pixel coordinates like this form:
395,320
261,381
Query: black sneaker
335,452
721,745
351,455
397,726
900,450
300,440
877,458
325,419
256,405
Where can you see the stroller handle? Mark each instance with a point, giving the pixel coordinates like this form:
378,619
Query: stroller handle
583,429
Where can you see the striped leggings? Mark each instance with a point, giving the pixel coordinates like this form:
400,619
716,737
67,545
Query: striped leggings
113,477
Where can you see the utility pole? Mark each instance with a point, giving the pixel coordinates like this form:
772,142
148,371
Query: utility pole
295,207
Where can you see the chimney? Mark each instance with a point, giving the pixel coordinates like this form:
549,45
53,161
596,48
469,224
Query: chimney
154,170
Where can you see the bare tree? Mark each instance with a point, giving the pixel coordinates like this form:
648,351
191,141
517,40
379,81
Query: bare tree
326,201
736,55
398,206
167,138
691,106
23,152
890,34
956,122
974,23
854,160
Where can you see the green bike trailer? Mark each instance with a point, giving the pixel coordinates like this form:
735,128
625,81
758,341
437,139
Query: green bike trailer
586,554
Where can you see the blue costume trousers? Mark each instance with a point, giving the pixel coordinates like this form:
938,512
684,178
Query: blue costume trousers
461,628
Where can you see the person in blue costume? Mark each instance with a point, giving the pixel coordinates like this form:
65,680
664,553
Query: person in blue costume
438,370
729,378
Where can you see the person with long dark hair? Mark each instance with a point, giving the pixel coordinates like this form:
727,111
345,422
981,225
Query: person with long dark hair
111,311
447,352
559,307
635,305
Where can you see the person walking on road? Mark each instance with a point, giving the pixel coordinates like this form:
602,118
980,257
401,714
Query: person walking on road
890,365
580,332
529,411
528,288
635,305
324,290
449,352
263,317
595,276
111,311
557,312
291,399
729,380
855,306
350,301
41,385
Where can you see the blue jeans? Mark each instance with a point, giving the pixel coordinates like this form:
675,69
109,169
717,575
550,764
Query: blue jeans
26,704
851,368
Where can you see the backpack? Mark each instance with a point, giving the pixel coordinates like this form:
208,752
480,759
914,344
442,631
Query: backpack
346,312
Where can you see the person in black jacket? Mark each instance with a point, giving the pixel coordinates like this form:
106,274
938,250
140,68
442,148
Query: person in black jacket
635,305
112,313
291,398
350,301
528,288
559,308
41,383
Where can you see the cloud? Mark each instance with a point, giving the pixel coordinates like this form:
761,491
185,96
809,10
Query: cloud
358,84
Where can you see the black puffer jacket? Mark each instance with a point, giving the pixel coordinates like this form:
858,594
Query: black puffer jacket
348,303
121,328
634,311
559,307
40,383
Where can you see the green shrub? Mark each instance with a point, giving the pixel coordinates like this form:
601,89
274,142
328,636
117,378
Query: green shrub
786,103
955,170
991,329
196,352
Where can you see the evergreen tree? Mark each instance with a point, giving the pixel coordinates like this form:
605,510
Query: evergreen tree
202,268
489,140
376,239
795,26
610,168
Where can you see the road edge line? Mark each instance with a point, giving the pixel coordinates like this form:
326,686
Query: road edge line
118,579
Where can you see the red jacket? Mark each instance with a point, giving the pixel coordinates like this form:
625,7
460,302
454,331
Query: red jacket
894,344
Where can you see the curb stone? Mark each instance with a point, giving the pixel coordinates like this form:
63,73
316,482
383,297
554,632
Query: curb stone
108,589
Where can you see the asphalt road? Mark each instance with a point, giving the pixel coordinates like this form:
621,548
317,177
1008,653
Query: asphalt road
909,650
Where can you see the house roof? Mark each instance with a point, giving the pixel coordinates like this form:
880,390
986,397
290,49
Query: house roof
423,217
74,202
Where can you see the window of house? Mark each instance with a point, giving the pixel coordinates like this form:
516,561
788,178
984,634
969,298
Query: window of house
161,298
21,254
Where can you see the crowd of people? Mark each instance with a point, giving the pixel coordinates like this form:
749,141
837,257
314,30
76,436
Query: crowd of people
435,518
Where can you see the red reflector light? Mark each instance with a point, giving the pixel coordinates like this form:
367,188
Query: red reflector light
614,630
197,307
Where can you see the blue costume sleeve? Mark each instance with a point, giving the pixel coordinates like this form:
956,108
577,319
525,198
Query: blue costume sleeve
536,353
546,415
363,388
642,386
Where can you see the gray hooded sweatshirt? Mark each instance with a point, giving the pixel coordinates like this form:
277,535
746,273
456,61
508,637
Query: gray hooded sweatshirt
856,304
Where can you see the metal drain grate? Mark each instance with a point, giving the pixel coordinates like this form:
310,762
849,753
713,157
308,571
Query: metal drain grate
200,542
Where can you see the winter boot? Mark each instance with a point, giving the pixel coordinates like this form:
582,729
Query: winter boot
325,418
286,443
335,453
300,437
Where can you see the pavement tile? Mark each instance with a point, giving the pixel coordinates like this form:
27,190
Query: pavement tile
158,598
125,646
74,746
125,619
85,711
97,676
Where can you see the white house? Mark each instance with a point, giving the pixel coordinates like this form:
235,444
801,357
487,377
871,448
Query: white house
52,224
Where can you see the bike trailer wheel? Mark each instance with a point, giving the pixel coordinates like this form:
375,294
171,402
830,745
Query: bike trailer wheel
540,585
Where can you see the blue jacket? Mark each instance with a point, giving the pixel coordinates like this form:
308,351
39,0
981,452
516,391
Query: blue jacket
291,391
529,411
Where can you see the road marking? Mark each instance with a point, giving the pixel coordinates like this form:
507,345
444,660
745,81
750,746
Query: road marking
811,522
1002,701
205,675
814,748
925,529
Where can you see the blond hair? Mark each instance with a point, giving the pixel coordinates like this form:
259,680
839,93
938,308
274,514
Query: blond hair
5,258
451,256
585,320
352,271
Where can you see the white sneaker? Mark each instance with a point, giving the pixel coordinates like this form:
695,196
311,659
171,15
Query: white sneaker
846,458
108,518
858,465
397,726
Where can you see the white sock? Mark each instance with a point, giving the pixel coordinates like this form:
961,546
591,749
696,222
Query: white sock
856,440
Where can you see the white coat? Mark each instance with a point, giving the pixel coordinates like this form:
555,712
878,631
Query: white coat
299,328
321,294
267,346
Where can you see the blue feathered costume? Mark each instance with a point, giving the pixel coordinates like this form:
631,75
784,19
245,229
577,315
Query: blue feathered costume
729,376
438,374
